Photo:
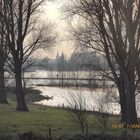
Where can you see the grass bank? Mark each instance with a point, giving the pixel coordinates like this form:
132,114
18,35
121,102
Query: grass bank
39,120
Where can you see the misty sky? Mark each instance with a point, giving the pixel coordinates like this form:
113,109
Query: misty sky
51,13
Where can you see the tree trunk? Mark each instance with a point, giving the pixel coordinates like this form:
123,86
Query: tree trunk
127,103
131,114
122,99
21,104
3,97
122,104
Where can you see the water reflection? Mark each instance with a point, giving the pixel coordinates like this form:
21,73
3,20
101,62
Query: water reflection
62,97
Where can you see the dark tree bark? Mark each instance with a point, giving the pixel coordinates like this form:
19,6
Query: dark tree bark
121,90
3,54
127,103
20,95
3,97
131,114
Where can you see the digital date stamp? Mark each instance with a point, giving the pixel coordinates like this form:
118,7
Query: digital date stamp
129,126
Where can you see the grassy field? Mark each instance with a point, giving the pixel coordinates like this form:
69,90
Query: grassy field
39,119
36,120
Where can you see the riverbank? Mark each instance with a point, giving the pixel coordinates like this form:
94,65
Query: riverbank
31,94
41,118
39,121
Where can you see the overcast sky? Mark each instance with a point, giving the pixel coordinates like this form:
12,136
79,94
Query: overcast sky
51,13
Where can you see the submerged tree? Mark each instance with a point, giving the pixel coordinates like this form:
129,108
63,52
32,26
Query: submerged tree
24,35
112,28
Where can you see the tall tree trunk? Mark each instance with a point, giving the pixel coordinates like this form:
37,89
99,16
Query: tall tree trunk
21,104
131,114
122,96
122,103
3,97
127,102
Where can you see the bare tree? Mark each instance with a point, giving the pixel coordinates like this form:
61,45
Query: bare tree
3,50
103,107
78,111
61,68
75,72
112,28
24,35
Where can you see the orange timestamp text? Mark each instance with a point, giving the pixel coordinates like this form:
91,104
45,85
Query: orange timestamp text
129,126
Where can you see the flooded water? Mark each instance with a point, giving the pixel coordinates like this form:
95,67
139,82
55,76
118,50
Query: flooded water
90,100
42,77
68,97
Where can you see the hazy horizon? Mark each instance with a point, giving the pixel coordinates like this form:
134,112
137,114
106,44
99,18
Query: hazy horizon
52,14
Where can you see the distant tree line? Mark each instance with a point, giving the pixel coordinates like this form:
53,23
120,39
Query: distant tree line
78,61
